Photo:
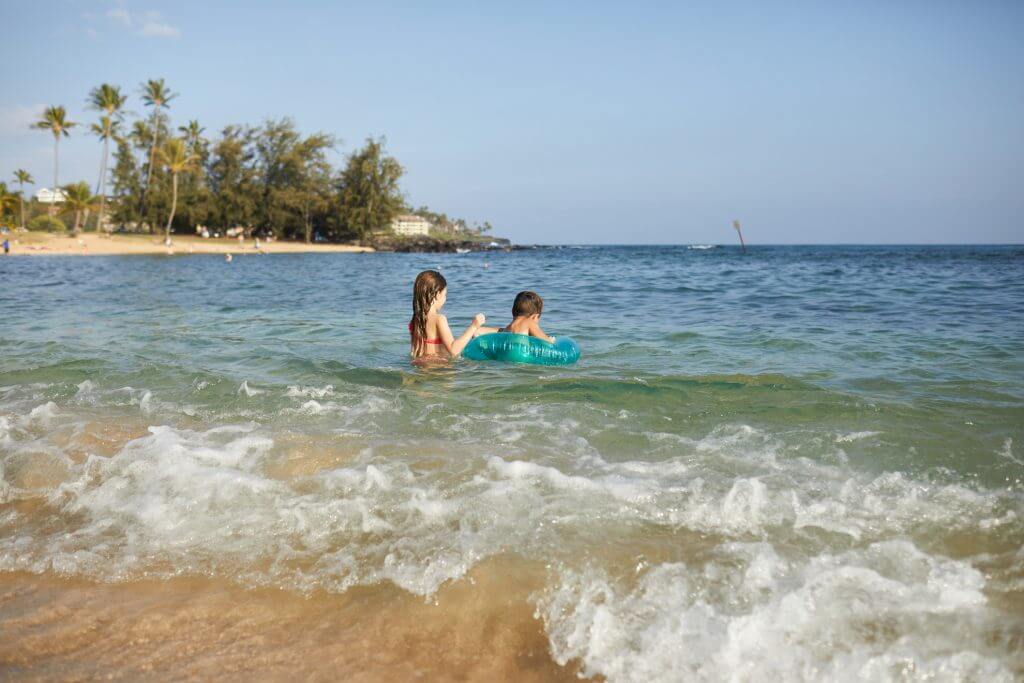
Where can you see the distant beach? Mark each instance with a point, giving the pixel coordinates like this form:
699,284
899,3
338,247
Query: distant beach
96,244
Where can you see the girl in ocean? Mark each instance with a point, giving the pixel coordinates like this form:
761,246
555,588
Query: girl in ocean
431,338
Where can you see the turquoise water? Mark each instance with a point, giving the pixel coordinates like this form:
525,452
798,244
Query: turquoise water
802,462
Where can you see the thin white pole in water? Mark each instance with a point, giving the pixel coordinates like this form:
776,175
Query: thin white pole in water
736,224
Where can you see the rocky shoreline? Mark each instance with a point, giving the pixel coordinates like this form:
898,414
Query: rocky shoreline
434,245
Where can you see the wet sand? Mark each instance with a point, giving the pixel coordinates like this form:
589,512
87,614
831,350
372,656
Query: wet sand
481,628
94,244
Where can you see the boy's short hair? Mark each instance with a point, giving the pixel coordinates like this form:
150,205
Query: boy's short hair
527,303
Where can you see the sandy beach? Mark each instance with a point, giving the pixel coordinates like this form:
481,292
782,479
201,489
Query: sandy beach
95,244
54,628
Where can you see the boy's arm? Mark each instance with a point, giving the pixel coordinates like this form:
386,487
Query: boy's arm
535,331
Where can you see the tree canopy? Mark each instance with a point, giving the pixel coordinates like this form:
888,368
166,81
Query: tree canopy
271,179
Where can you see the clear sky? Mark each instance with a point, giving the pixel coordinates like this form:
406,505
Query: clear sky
588,122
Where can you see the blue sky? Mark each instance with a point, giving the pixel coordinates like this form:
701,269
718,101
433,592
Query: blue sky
812,122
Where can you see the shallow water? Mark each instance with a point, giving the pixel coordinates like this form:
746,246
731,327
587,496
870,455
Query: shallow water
801,463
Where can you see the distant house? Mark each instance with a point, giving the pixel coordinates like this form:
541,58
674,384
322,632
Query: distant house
47,196
410,225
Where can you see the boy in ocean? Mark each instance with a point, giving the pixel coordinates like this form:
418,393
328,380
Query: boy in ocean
526,310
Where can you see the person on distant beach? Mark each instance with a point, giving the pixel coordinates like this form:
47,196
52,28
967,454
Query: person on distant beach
430,336
7,247
526,310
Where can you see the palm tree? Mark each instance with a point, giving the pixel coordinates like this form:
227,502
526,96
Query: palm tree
156,94
106,129
22,176
55,120
140,135
176,156
108,99
79,199
192,132
7,200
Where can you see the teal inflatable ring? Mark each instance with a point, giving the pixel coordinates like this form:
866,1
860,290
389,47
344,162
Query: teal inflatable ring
519,348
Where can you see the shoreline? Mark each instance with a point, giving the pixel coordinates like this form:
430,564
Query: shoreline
100,244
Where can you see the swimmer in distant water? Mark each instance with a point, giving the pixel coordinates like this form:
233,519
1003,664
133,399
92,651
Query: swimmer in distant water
526,310
227,257
430,336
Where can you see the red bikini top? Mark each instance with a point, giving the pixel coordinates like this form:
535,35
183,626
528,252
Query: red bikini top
427,341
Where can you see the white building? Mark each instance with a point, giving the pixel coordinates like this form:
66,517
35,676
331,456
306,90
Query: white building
410,225
47,196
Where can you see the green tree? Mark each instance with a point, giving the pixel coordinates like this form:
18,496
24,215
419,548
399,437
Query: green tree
78,198
109,100
21,176
157,95
273,143
295,179
47,223
193,190
55,120
127,183
232,178
154,197
310,193
177,158
8,201
368,190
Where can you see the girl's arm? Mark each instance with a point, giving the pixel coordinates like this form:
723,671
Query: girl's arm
454,345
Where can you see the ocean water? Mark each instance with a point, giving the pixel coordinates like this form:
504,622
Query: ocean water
802,463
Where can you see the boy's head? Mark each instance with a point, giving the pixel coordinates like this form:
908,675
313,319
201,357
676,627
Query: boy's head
527,304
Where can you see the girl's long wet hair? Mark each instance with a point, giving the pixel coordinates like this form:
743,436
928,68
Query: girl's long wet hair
428,285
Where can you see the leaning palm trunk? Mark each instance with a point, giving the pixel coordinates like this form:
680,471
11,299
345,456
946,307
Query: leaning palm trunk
78,217
149,173
21,201
174,205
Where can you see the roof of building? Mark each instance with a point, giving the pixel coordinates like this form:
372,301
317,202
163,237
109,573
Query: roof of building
50,194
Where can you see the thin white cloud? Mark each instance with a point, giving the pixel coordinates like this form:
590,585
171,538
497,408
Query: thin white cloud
159,29
18,119
150,24
120,15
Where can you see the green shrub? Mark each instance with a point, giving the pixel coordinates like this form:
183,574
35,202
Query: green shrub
47,224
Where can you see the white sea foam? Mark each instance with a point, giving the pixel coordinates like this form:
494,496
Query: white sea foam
85,388
1006,452
310,392
855,436
887,611
314,407
179,501
43,414
244,388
